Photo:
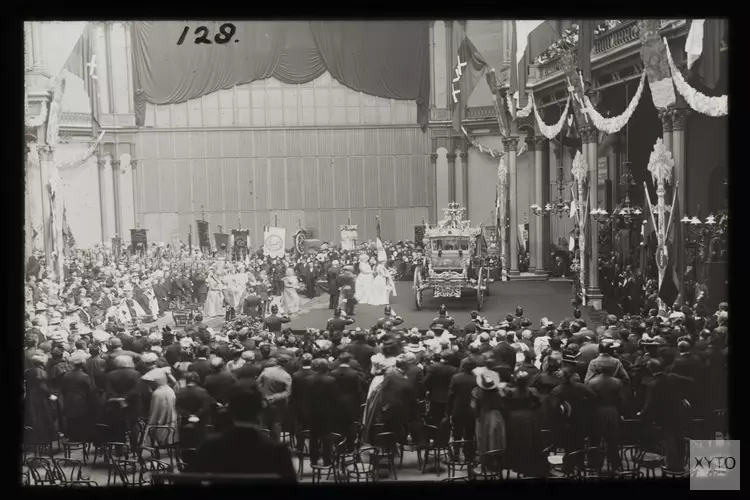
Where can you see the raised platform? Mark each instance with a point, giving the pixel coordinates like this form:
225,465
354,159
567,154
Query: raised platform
530,277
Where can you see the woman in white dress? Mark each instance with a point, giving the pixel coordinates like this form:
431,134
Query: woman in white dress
363,289
214,299
383,283
291,298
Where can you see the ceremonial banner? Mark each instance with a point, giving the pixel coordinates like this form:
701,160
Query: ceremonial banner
204,240
221,239
419,236
138,241
241,243
274,241
116,247
348,236
491,235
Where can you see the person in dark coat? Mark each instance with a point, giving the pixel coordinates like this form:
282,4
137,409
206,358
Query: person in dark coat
139,295
194,399
337,324
273,322
38,402
351,394
251,303
361,350
459,406
161,291
437,380
77,391
324,409
609,406
573,402
667,408
312,270
201,365
347,289
388,317
398,399
332,275
443,321
250,370
220,381
243,448
300,399
124,399
471,326
200,288
522,430
414,373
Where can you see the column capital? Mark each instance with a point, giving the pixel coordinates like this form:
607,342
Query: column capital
679,118
589,134
665,115
433,158
451,157
115,163
511,143
45,152
464,155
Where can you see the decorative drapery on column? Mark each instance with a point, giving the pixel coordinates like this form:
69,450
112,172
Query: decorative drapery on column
116,172
103,198
679,118
433,166
581,193
465,176
537,145
502,214
174,62
665,115
511,146
590,140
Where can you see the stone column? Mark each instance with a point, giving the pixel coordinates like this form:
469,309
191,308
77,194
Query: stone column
46,156
537,144
116,172
451,175
433,165
590,136
545,183
511,146
103,196
665,115
679,150
465,177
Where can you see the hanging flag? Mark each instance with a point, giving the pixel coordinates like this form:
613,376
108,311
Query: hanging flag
585,46
694,42
469,69
377,227
656,65
709,64
82,63
519,59
670,286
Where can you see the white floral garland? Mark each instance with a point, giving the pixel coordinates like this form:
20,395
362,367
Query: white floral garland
711,106
526,110
614,124
550,132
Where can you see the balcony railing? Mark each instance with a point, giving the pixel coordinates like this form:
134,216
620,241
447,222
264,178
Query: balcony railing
70,119
623,34
480,113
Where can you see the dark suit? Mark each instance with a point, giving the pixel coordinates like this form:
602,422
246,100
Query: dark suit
124,383
459,409
333,288
324,413
248,371
351,391
219,385
394,320
572,431
362,352
608,406
347,288
244,450
415,374
311,276
444,322
398,400
194,400
437,380
338,324
273,323
202,367
77,392
251,305
300,400
140,297
161,291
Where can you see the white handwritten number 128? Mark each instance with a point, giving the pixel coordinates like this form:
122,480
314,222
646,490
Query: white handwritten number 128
225,34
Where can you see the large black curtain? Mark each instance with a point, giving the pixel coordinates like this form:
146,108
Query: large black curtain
383,59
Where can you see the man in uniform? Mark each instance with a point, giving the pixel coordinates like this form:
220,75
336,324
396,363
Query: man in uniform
347,282
337,324
475,322
273,322
519,320
389,317
443,320
332,275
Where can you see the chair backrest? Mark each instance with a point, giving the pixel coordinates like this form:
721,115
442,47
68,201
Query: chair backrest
100,434
41,470
116,450
129,471
66,469
163,435
631,456
81,484
386,440
368,455
440,436
493,459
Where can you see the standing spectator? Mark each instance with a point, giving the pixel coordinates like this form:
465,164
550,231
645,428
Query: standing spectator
324,409
276,385
437,380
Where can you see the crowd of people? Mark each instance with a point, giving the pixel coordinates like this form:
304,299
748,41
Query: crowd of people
507,385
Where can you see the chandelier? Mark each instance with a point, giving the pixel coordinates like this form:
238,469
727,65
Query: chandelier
561,208
627,215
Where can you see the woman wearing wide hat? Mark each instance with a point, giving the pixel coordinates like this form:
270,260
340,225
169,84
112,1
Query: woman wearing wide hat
487,405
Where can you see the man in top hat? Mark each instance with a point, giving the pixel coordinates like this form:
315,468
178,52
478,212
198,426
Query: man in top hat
443,320
437,380
332,275
273,322
337,324
389,317
361,350
310,276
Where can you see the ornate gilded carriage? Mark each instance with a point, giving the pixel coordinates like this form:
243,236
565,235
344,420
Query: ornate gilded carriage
455,259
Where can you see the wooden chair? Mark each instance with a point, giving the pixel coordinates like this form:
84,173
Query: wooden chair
388,449
66,470
32,445
364,467
99,436
114,451
184,457
652,461
408,442
454,462
631,456
671,474
152,466
582,463
437,443
489,467
41,471
130,472
163,440
69,447
81,484
142,423
331,443
302,455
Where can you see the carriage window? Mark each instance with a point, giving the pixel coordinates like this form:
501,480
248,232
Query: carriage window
451,244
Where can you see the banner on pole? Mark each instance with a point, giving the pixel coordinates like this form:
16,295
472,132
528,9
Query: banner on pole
349,236
419,235
204,240
274,241
138,241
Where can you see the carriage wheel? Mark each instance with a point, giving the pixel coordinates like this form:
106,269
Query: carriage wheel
481,285
417,287
487,281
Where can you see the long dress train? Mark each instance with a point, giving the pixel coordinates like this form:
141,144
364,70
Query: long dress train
363,289
291,298
214,299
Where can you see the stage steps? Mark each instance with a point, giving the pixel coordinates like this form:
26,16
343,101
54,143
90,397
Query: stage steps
530,277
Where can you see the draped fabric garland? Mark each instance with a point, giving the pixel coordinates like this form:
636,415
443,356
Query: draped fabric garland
502,183
523,112
711,106
550,132
174,62
616,123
